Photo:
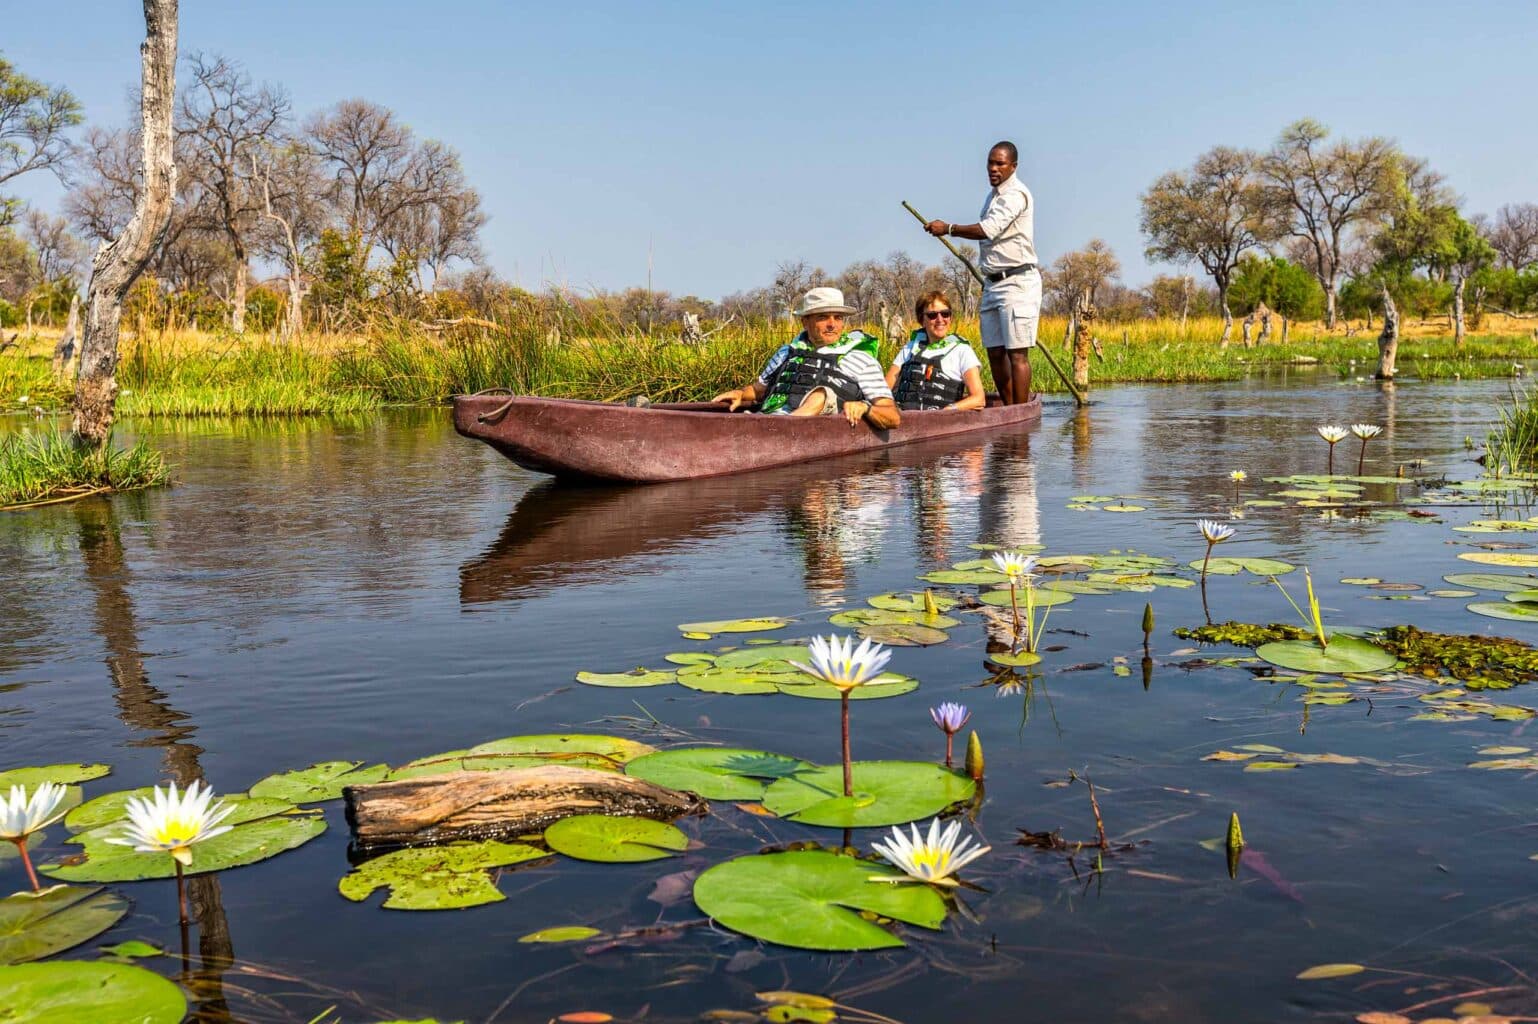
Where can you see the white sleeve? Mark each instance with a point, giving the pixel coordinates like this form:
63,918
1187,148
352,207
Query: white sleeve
967,359
905,353
864,369
1001,213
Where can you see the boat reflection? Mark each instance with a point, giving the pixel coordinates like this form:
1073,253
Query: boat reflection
838,510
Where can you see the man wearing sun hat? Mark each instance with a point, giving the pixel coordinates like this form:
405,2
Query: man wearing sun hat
825,369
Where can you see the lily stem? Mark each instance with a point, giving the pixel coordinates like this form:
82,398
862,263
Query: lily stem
181,893
1329,469
1014,605
848,768
1361,457
1205,612
26,860
950,738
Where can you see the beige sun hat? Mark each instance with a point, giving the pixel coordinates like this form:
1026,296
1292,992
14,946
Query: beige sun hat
823,300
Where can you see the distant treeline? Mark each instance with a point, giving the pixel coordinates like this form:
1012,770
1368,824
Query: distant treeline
286,223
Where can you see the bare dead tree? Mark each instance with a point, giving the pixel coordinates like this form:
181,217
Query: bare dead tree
120,262
294,204
1514,234
223,119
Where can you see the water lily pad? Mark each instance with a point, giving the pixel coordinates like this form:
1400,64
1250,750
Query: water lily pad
1123,508
447,877
813,899
899,635
734,626
606,753
318,782
1510,558
614,840
569,933
112,808
887,617
776,658
687,658
1345,654
1330,971
1361,581
635,677
885,793
1522,596
1041,598
101,992
899,602
249,842
1264,503
1023,659
730,681
1255,566
1089,587
1492,580
38,925
133,949
61,774
716,773
954,577
888,684
1140,582
1497,526
1510,611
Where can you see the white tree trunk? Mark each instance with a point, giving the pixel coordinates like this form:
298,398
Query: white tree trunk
1228,318
119,263
68,348
238,300
1459,328
1388,339
1331,300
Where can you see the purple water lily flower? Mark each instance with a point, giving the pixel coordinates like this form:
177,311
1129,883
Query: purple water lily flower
950,717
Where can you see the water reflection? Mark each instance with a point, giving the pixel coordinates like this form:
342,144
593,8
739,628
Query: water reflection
148,711
837,513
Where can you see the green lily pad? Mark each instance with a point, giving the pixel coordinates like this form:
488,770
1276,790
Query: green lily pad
112,809
886,617
955,577
1264,503
606,753
1123,508
910,602
614,840
812,899
133,949
1522,596
447,877
1089,587
1138,582
1361,581
716,773
61,774
1345,654
247,843
1041,598
1024,659
887,684
1452,593
1255,566
899,635
38,925
734,626
734,682
1511,558
1492,580
1506,610
635,677
687,658
568,933
885,793
324,781
101,992
766,659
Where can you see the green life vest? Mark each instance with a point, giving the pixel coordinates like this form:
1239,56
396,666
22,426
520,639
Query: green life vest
922,384
806,369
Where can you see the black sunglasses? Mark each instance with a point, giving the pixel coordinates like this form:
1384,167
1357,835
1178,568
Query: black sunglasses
935,314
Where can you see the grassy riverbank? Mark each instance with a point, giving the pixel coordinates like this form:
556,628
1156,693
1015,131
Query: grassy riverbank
401,362
40,466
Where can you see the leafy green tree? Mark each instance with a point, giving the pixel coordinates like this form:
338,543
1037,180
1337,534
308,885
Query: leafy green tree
1288,289
34,118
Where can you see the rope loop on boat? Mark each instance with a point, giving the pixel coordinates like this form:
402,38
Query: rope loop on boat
501,410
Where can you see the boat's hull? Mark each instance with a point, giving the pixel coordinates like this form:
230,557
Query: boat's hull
603,441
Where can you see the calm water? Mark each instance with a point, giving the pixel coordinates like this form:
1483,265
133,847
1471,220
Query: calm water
381,589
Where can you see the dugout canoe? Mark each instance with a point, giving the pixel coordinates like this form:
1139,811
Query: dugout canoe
582,440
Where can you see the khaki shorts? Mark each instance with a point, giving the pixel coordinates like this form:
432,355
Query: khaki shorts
1012,323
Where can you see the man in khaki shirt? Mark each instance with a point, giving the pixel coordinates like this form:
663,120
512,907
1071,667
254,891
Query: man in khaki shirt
1011,307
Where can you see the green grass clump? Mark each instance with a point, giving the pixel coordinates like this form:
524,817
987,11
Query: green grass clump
45,465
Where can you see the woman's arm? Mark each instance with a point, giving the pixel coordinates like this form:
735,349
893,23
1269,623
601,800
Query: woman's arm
975,399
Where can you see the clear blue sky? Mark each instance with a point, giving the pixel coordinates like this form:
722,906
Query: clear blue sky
726,137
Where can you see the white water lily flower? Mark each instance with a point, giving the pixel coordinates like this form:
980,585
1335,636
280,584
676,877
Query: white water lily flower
21,815
1238,476
1214,531
1332,434
837,661
1365,430
933,859
1015,565
168,823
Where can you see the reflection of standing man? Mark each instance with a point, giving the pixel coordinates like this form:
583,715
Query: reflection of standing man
1012,298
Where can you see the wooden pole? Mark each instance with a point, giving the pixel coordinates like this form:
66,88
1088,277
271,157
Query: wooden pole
1041,346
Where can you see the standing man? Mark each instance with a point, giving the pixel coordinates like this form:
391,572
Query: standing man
1012,298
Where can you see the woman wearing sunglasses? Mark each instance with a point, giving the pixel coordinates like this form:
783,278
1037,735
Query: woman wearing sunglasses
936,369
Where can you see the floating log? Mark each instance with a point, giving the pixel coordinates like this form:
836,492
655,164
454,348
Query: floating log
471,805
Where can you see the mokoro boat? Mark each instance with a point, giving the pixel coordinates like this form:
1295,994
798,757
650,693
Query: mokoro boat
604,441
